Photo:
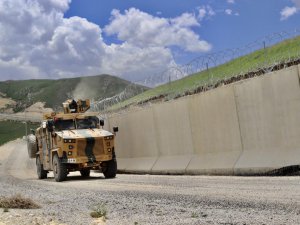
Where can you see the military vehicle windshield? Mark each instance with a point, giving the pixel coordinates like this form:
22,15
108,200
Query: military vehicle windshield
86,123
64,124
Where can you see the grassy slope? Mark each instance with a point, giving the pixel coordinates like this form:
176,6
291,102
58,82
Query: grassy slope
257,59
54,92
11,130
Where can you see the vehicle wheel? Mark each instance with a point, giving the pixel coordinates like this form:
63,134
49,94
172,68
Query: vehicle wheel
42,174
32,146
110,169
85,173
59,169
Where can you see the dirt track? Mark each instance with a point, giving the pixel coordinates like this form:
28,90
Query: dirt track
146,199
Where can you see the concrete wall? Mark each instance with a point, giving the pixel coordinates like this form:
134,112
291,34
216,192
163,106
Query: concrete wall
244,128
136,141
269,115
173,135
215,132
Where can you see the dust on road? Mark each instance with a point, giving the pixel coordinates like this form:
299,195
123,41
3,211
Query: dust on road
146,199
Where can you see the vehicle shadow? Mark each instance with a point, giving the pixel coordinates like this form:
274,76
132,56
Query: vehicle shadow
77,178
80,178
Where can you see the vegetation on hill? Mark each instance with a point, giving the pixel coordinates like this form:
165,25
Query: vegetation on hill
11,130
54,92
272,55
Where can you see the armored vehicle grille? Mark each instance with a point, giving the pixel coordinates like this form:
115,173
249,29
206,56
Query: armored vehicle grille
90,147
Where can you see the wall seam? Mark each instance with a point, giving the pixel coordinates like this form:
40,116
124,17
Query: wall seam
156,140
191,132
240,130
298,68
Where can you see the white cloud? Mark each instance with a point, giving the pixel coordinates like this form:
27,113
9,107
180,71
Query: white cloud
39,40
24,29
76,47
61,5
40,43
228,11
286,12
144,30
136,62
185,20
202,13
18,71
205,12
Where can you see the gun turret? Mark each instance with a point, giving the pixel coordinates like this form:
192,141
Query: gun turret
71,106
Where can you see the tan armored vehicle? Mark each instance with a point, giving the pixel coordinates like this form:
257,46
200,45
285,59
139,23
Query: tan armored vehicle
73,141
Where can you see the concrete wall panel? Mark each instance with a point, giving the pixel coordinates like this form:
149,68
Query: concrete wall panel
123,163
137,135
172,128
269,109
171,164
220,163
215,130
214,121
136,165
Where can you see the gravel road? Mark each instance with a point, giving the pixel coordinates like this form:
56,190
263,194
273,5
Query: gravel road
146,199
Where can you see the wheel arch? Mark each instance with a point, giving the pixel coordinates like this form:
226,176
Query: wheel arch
56,151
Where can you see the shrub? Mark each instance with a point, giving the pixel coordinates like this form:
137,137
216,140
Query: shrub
17,202
99,211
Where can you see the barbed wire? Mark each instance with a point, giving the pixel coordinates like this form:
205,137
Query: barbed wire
235,62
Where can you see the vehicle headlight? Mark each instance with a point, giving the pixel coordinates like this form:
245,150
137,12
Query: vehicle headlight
69,140
108,138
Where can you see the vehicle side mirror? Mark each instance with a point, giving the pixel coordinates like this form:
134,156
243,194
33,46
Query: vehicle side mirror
101,123
116,129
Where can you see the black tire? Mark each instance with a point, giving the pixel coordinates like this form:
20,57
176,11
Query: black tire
31,146
110,169
59,169
85,173
42,174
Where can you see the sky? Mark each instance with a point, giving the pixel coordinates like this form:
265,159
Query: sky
131,39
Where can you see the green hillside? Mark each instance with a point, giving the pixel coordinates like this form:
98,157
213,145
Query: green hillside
54,92
285,50
10,130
